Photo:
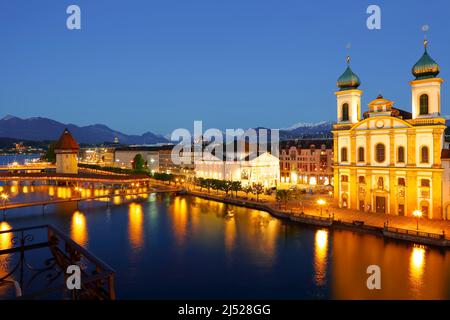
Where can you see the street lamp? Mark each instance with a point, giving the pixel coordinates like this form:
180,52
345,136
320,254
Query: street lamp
417,214
5,198
321,203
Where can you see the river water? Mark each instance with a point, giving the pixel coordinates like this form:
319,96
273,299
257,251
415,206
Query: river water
181,247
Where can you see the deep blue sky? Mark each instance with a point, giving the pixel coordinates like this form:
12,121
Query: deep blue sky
140,65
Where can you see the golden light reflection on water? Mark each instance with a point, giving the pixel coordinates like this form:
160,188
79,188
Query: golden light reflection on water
5,243
180,219
5,238
135,225
78,228
230,234
320,256
417,268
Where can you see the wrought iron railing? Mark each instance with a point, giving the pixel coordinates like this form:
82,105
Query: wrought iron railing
23,249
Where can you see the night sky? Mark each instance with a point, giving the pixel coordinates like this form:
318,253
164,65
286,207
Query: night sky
140,65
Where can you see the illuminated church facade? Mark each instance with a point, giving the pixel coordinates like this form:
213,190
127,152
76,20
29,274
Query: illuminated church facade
388,160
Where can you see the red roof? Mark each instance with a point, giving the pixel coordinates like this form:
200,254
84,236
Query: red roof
67,142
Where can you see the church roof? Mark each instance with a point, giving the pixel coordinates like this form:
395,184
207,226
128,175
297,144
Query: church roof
67,142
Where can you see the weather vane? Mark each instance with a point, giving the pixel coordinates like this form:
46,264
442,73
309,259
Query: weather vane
348,47
425,29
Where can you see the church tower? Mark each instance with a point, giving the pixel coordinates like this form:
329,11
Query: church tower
348,97
426,88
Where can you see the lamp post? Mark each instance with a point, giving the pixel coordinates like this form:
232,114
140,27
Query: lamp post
417,214
5,198
321,203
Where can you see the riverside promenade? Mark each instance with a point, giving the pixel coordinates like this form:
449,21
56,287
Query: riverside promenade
431,232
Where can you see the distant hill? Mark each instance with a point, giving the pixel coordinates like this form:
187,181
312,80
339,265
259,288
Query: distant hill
39,129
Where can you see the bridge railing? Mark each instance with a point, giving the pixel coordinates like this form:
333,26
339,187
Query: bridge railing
42,273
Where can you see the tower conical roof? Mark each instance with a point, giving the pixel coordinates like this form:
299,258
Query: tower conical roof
67,142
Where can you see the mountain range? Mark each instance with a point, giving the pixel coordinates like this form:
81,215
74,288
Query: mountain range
44,129
39,129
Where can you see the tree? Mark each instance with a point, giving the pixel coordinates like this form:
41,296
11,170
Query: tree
283,196
50,155
236,186
247,189
258,188
138,162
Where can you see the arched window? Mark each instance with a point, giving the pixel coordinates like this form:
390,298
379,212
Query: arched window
380,152
344,154
361,154
423,104
424,155
345,112
401,154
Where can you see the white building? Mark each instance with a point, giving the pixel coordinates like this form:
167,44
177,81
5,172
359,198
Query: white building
263,169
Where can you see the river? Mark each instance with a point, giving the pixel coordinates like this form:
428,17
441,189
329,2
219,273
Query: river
182,247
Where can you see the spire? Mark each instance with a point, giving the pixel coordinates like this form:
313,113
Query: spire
426,67
348,80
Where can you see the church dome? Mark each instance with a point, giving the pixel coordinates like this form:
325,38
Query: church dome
348,80
426,67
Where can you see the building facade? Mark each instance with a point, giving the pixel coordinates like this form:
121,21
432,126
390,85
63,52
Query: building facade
307,162
389,161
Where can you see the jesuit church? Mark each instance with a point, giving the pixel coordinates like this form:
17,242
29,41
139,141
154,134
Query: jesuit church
388,160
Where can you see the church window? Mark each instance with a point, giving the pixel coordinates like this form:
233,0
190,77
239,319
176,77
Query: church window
401,154
345,116
344,154
424,104
380,152
361,154
424,155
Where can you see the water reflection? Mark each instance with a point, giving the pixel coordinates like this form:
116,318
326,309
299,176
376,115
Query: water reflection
180,218
5,243
417,268
135,225
320,256
78,229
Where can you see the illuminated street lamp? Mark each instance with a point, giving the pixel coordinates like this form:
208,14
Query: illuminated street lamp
5,198
417,214
321,203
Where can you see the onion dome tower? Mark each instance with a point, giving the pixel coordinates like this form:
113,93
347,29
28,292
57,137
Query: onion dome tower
426,87
348,96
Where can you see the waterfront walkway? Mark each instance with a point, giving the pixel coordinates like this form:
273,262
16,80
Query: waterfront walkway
292,208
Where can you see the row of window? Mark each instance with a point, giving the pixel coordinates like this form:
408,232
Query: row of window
380,154
380,181
423,102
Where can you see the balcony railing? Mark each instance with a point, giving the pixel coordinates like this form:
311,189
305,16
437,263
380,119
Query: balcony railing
35,261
